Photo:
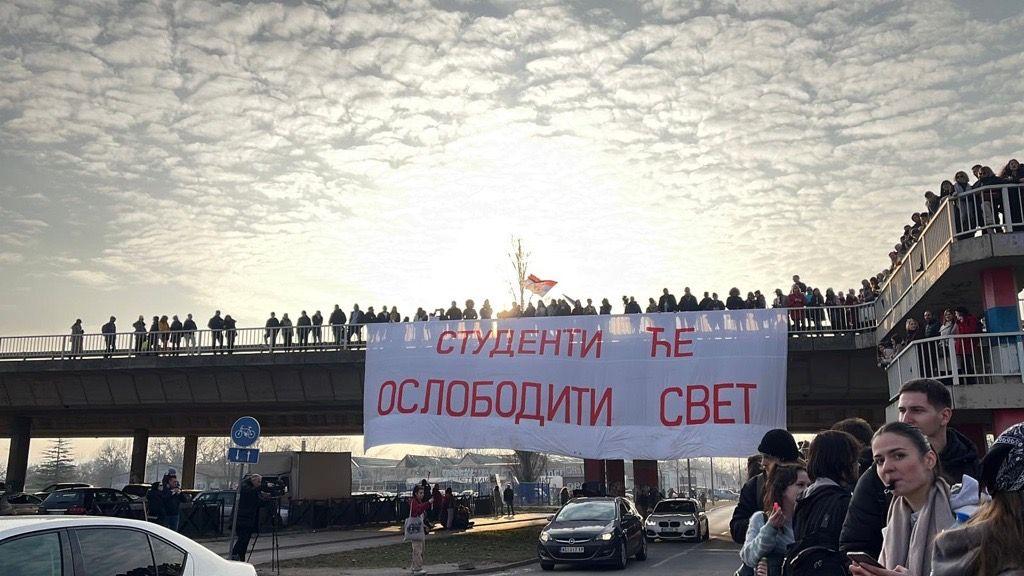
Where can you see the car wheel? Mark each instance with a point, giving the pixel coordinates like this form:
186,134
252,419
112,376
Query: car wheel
641,554
623,558
547,566
706,535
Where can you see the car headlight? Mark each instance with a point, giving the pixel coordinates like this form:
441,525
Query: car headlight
689,522
544,536
650,522
606,536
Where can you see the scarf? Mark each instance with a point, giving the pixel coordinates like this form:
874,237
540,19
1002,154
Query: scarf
912,546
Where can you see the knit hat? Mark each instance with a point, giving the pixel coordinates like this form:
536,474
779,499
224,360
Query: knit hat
172,472
779,443
1002,469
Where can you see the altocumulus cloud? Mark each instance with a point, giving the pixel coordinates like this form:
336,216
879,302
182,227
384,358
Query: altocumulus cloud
268,155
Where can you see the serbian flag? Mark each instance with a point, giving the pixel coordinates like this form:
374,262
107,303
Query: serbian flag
538,286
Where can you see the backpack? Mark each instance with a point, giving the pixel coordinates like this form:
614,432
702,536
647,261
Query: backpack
817,524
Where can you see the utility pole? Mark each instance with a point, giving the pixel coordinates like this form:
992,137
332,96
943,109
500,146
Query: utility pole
689,480
712,478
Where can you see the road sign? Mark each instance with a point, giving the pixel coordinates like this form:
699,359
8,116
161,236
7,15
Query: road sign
245,431
244,455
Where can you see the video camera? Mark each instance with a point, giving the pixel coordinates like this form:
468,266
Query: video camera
276,486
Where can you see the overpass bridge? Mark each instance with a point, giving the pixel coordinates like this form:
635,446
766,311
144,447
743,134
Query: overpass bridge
115,385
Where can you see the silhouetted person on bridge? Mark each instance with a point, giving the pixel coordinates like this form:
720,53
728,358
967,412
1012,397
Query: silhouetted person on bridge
109,331
453,313
420,316
189,333
303,324
216,325
140,333
383,316
272,326
734,302
176,334
589,308
165,332
286,330
337,321
688,302
470,312
667,301
606,307
318,321
486,311
154,330
77,335
230,332
706,303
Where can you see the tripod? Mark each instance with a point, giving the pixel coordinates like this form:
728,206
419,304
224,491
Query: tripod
273,510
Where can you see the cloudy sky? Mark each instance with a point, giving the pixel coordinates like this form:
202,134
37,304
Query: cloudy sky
172,157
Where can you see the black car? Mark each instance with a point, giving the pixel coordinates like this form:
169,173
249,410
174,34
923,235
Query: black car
94,502
593,531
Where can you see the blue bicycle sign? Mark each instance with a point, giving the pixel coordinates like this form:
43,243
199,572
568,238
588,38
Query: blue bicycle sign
245,431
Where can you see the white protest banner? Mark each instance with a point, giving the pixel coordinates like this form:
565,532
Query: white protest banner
642,386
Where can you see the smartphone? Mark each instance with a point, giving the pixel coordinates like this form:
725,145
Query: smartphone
776,507
863,558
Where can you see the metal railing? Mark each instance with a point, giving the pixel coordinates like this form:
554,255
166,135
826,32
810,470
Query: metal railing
959,360
183,343
804,321
988,209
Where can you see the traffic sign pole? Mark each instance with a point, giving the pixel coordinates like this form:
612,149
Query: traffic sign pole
244,433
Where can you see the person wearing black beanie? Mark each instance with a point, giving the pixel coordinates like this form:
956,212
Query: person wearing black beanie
777,447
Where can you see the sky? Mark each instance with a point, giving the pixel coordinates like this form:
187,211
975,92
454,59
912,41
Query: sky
184,156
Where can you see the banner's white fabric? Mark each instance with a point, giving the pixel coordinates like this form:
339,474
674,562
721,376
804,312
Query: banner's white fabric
645,386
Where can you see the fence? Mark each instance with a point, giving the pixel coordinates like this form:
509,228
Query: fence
959,360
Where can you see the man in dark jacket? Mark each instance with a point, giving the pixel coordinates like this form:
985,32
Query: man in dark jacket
171,499
216,326
303,324
927,405
273,326
667,302
509,496
932,326
453,313
140,333
247,522
189,327
777,447
688,302
109,331
337,321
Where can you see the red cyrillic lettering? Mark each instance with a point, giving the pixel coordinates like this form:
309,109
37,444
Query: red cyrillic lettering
680,342
605,404
746,399
483,341
465,338
664,394
586,346
477,397
523,341
544,341
555,404
380,398
440,340
691,404
401,392
570,332
579,402
521,414
502,386
440,396
655,342
497,342
465,398
719,403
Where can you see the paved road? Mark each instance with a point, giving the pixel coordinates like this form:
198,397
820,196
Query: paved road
716,557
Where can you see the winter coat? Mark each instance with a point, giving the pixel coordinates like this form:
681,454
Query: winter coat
820,511
958,551
215,323
751,500
735,303
338,317
967,325
866,516
763,539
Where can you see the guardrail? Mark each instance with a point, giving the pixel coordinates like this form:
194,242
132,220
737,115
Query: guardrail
803,321
995,208
959,360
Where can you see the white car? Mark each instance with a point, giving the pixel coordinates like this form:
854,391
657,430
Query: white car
51,545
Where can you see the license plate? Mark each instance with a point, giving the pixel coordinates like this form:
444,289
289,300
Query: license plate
571,549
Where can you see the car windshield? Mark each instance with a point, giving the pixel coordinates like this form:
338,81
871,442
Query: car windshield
598,511
64,498
675,507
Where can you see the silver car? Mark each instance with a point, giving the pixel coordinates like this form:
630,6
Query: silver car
677,519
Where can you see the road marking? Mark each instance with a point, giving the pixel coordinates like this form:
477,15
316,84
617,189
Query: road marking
679,555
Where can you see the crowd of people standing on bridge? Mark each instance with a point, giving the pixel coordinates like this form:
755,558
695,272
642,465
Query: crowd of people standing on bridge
910,498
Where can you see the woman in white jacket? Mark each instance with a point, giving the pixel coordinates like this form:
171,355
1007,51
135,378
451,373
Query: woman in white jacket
770,533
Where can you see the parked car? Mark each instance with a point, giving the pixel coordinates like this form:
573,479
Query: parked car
61,486
65,545
19,504
677,519
601,530
95,502
226,499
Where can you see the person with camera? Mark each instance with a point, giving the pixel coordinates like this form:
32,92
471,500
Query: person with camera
251,495
171,499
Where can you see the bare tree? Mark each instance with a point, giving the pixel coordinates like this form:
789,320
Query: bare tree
308,443
520,259
528,466
441,452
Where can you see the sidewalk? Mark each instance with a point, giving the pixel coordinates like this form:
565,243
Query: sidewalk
301,545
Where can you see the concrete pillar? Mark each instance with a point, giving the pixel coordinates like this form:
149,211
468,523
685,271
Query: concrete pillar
1001,420
593,476
616,472
645,477
188,462
999,299
140,445
17,457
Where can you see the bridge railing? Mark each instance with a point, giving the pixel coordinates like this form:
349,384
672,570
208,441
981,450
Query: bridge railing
137,344
959,360
803,321
995,208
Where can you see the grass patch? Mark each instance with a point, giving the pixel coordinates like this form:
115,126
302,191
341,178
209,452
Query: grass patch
500,546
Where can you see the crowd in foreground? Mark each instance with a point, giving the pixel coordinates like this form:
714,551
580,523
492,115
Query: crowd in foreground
911,498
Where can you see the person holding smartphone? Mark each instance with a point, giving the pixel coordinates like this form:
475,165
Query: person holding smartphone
770,532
